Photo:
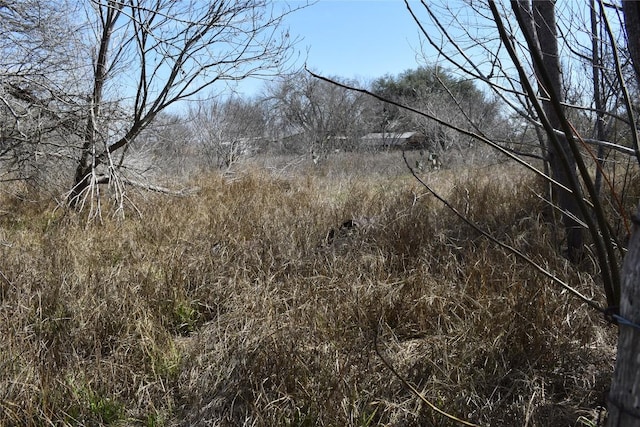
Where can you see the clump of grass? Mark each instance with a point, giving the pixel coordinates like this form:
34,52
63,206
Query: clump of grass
229,307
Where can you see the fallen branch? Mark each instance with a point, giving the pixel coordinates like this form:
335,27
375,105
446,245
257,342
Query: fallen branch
159,189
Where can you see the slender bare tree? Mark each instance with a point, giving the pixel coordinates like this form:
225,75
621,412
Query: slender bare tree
537,21
149,55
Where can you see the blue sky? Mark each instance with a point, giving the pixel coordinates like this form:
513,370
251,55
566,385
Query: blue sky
354,38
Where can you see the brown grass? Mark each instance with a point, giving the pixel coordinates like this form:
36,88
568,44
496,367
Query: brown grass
229,308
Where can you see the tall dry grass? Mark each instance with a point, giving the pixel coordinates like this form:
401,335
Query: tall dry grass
229,307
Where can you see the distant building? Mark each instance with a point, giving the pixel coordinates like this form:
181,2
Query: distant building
394,141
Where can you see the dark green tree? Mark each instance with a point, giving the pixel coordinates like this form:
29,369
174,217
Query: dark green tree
410,84
432,88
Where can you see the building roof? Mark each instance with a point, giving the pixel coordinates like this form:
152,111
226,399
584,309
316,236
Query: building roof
390,135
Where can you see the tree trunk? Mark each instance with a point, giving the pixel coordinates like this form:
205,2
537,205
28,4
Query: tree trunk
632,26
538,21
624,397
545,24
598,98
84,169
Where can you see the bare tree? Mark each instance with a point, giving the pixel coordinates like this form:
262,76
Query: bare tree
537,20
225,131
518,62
324,116
152,54
569,155
39,115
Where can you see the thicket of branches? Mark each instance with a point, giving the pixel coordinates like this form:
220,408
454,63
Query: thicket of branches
82,80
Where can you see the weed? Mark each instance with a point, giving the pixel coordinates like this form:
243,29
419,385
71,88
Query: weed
186,318
92,407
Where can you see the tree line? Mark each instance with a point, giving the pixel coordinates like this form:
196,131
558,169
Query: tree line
300,114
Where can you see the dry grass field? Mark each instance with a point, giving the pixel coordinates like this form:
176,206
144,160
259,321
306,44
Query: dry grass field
230,307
